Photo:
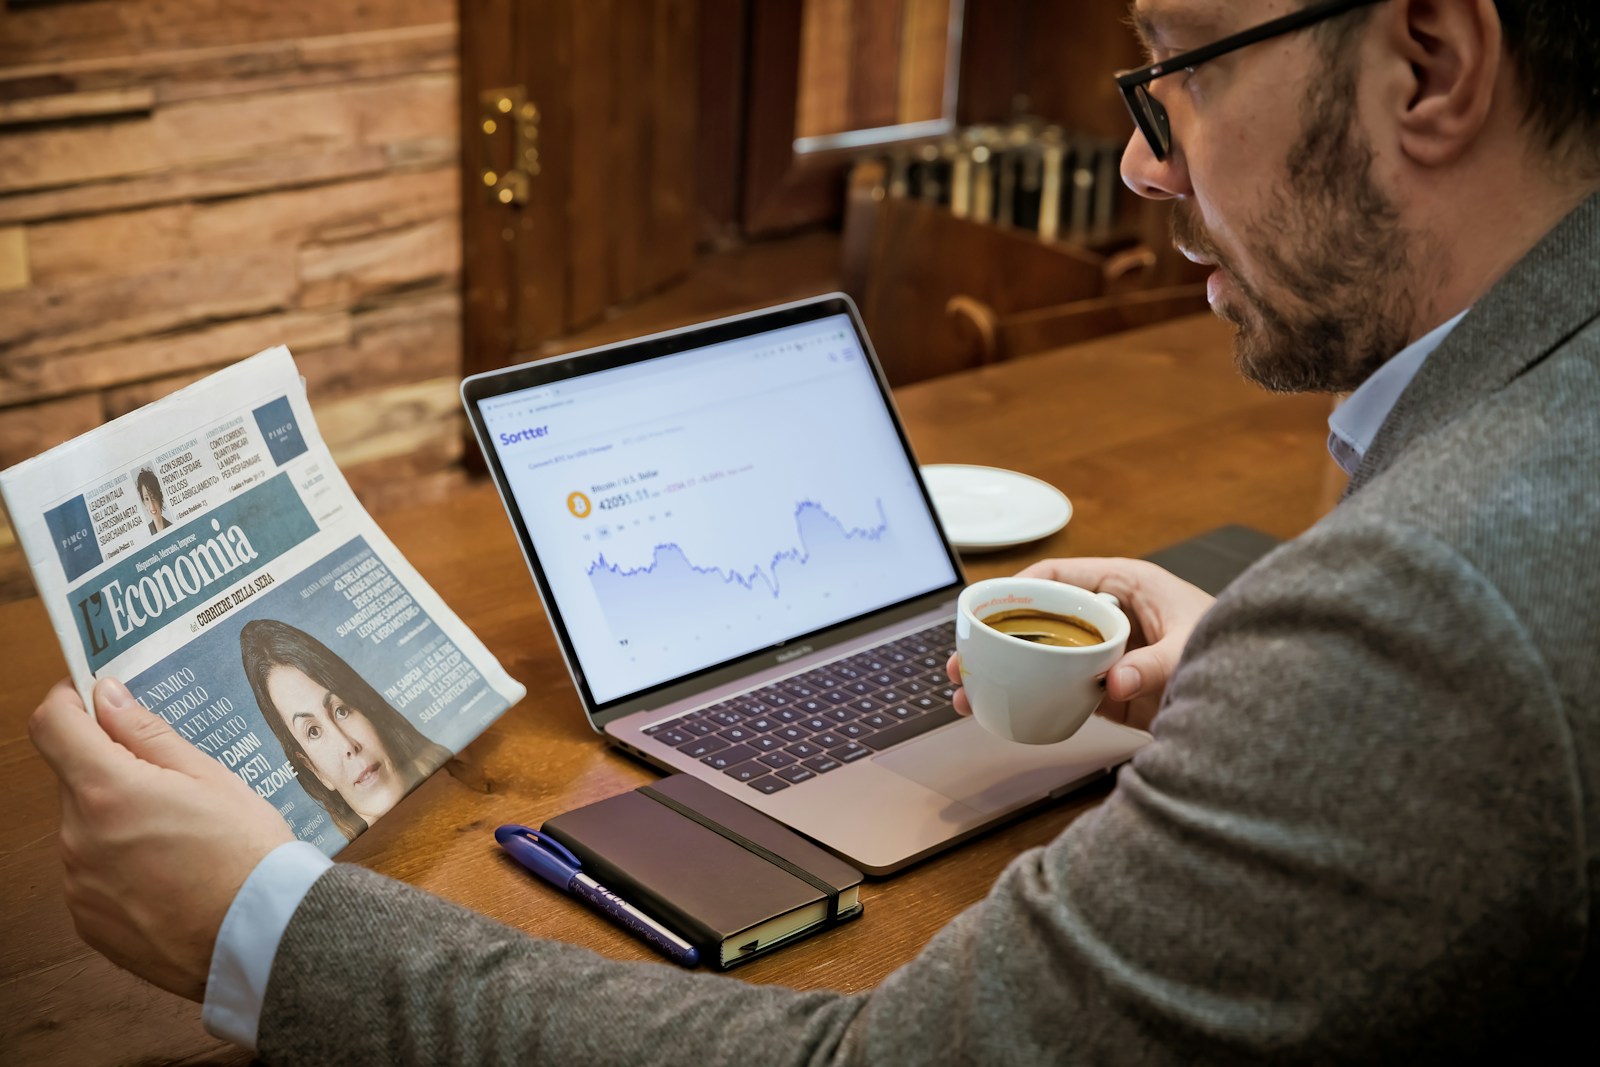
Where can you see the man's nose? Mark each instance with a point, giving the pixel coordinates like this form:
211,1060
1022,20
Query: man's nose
1152,178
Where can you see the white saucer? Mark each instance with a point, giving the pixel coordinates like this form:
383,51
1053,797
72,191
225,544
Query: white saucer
986,508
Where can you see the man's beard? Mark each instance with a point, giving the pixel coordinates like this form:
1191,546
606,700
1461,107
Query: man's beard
1330,243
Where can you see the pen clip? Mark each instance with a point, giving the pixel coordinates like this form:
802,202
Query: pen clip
536,851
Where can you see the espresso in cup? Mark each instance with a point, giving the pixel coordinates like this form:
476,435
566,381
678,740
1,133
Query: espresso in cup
1032,655
1045,628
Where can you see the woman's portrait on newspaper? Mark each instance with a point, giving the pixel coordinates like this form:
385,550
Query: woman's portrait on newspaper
151,497
354,753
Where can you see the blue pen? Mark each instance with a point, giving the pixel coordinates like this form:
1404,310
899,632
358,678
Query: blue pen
551,861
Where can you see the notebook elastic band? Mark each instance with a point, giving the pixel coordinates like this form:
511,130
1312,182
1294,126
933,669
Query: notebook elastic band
749,846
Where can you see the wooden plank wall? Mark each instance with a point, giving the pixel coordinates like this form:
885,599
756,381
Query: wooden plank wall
183,185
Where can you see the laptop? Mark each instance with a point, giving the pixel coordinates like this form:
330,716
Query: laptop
749,582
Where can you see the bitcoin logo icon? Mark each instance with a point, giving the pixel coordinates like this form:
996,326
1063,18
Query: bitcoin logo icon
578,504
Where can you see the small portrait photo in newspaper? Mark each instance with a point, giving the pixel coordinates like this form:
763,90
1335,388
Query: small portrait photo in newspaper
151,498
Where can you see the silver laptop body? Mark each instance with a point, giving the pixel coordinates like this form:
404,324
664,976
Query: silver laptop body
749,583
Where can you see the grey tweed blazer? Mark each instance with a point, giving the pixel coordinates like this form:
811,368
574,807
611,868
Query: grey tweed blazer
1367,829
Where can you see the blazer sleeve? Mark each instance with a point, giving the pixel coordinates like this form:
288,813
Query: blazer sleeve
1356,835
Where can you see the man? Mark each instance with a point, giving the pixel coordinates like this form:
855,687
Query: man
1368,825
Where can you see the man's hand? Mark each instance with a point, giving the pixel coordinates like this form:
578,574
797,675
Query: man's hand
156,836
1162,609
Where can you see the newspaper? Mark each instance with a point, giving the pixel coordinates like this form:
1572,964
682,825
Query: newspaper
207,551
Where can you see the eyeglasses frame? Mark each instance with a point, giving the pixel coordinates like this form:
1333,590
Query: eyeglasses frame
1148,113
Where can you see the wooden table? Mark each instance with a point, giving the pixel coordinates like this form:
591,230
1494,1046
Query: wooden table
1151,434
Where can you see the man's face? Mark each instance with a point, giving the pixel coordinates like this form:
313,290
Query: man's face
1275,187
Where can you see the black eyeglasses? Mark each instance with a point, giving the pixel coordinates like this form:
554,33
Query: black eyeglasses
1151,117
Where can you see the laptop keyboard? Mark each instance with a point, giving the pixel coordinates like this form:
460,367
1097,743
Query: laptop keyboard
802,727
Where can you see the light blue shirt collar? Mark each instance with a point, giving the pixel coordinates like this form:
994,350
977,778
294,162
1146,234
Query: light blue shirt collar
1355,423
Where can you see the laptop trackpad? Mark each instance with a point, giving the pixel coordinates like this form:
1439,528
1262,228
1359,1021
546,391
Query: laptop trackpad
968,764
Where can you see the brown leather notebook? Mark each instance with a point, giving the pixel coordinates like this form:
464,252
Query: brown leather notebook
733,882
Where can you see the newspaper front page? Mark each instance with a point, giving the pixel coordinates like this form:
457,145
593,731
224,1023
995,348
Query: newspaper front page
207,551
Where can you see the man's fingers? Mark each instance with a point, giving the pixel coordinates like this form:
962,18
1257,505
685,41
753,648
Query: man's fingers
66,737
952,668
1081,570
1119,577
959,701
74,745
1141,672
146,735
1125,682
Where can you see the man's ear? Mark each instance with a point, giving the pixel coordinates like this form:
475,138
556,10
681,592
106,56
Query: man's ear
1453,48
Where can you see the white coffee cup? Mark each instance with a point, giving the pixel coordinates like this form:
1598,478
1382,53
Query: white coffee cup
1025,691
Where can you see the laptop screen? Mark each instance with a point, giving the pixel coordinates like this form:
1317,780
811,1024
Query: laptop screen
692,508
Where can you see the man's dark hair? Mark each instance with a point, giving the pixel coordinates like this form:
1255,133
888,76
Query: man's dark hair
1554,44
